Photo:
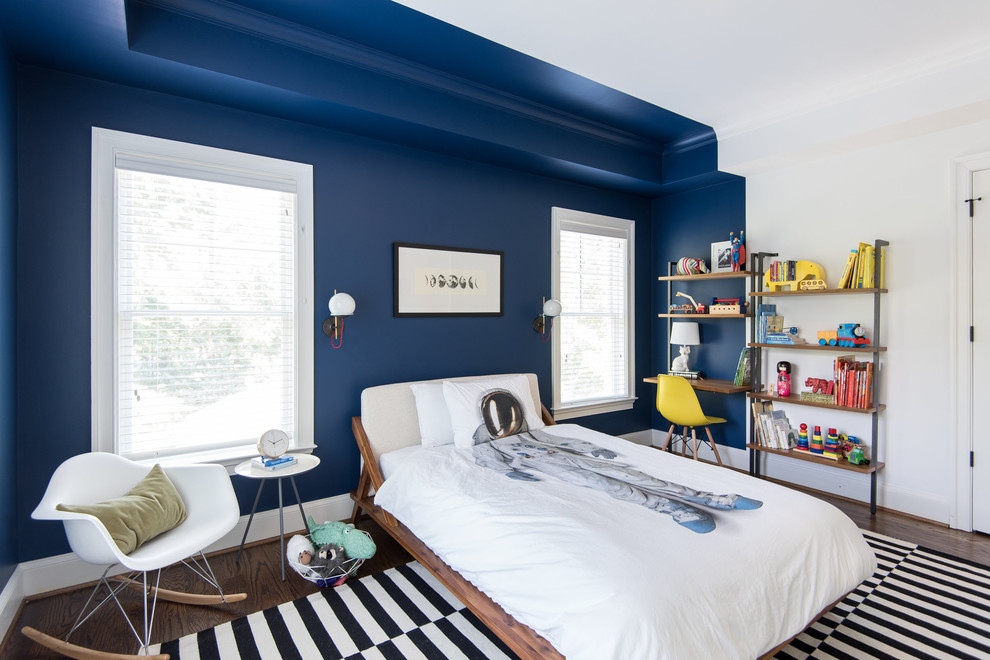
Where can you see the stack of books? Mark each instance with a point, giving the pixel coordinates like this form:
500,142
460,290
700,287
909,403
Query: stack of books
786,337
272,464
767,322
691,375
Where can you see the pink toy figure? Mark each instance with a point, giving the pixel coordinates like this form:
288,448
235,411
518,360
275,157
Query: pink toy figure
783,378
738,250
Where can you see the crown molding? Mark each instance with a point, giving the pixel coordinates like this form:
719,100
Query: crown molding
250,22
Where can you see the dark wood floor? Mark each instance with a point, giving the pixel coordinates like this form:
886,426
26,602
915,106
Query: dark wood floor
259,575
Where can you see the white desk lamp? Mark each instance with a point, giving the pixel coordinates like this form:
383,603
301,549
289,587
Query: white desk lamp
684,334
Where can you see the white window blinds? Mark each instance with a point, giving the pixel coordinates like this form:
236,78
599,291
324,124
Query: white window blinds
202,299
205,313
593,350
593,321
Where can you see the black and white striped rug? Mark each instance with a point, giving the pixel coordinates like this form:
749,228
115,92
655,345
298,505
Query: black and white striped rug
919,604
401,613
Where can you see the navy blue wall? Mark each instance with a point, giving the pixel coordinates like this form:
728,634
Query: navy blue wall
368,195
685,225
8,328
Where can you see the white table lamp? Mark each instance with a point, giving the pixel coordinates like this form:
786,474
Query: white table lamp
684,334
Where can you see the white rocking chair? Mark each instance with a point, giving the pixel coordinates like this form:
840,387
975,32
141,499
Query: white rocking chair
212,511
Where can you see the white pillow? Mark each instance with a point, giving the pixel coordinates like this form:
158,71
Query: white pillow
434,418
464,403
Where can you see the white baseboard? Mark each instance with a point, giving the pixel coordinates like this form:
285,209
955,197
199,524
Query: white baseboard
644,437
62,571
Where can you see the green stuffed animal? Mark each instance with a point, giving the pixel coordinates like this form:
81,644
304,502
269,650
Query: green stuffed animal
356,544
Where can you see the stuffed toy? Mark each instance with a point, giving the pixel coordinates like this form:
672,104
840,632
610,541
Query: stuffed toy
356,544
329,560
299,549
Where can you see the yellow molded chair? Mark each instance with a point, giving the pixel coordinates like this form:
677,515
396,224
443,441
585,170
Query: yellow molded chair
678,403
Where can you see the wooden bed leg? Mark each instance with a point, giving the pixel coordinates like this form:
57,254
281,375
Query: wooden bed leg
364,482
714,448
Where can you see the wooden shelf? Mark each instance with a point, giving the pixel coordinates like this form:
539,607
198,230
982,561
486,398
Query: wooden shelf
818,292
707,276
759,352
798,401
704,316
820,460
710,385
819,347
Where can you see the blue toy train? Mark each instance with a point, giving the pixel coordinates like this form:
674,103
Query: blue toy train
848,335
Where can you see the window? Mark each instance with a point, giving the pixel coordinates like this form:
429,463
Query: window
202,263
592,266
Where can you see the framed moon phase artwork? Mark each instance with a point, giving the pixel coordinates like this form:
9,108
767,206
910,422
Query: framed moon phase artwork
441,281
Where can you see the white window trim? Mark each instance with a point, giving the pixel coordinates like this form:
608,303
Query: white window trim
571,220
107,145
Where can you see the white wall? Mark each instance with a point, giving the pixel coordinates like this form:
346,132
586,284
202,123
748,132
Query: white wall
903,192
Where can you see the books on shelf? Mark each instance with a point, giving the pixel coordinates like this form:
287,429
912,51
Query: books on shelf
861,266
783,271
783,338
848,271
773,429
272,464
691,375
744,368
767,321
853,382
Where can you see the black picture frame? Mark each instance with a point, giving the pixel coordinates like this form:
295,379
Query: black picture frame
421,276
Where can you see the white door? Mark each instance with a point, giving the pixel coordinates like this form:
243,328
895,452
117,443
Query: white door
981,351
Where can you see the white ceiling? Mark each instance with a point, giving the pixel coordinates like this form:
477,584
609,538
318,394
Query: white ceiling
744,66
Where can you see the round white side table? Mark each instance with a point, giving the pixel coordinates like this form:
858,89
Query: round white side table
304,463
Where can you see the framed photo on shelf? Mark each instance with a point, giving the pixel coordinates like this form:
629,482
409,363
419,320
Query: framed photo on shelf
431,280
722,257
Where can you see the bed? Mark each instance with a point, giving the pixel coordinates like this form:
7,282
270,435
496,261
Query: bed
559,569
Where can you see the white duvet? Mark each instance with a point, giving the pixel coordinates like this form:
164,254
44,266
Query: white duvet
601,578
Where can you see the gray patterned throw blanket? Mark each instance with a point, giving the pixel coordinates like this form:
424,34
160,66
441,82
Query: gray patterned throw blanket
585,464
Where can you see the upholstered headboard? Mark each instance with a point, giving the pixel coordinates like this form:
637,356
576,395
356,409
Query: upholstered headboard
388,413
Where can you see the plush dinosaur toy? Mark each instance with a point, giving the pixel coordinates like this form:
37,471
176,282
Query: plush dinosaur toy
356,544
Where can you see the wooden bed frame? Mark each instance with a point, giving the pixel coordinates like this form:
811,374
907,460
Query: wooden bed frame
523,640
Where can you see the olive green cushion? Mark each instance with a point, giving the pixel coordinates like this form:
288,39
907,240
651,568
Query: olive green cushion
151,508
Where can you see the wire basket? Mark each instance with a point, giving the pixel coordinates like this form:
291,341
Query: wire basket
323,576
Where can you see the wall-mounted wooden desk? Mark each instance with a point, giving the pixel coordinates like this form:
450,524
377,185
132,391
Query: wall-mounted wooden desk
709,385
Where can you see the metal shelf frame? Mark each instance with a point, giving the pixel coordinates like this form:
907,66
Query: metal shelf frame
874,409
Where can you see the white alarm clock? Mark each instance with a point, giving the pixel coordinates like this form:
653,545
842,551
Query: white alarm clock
273,443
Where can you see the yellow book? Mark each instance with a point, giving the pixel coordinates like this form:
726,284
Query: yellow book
883,257
869,268
860,265
847,272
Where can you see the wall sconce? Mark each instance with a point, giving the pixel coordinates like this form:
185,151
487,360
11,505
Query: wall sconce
340,305
552,309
